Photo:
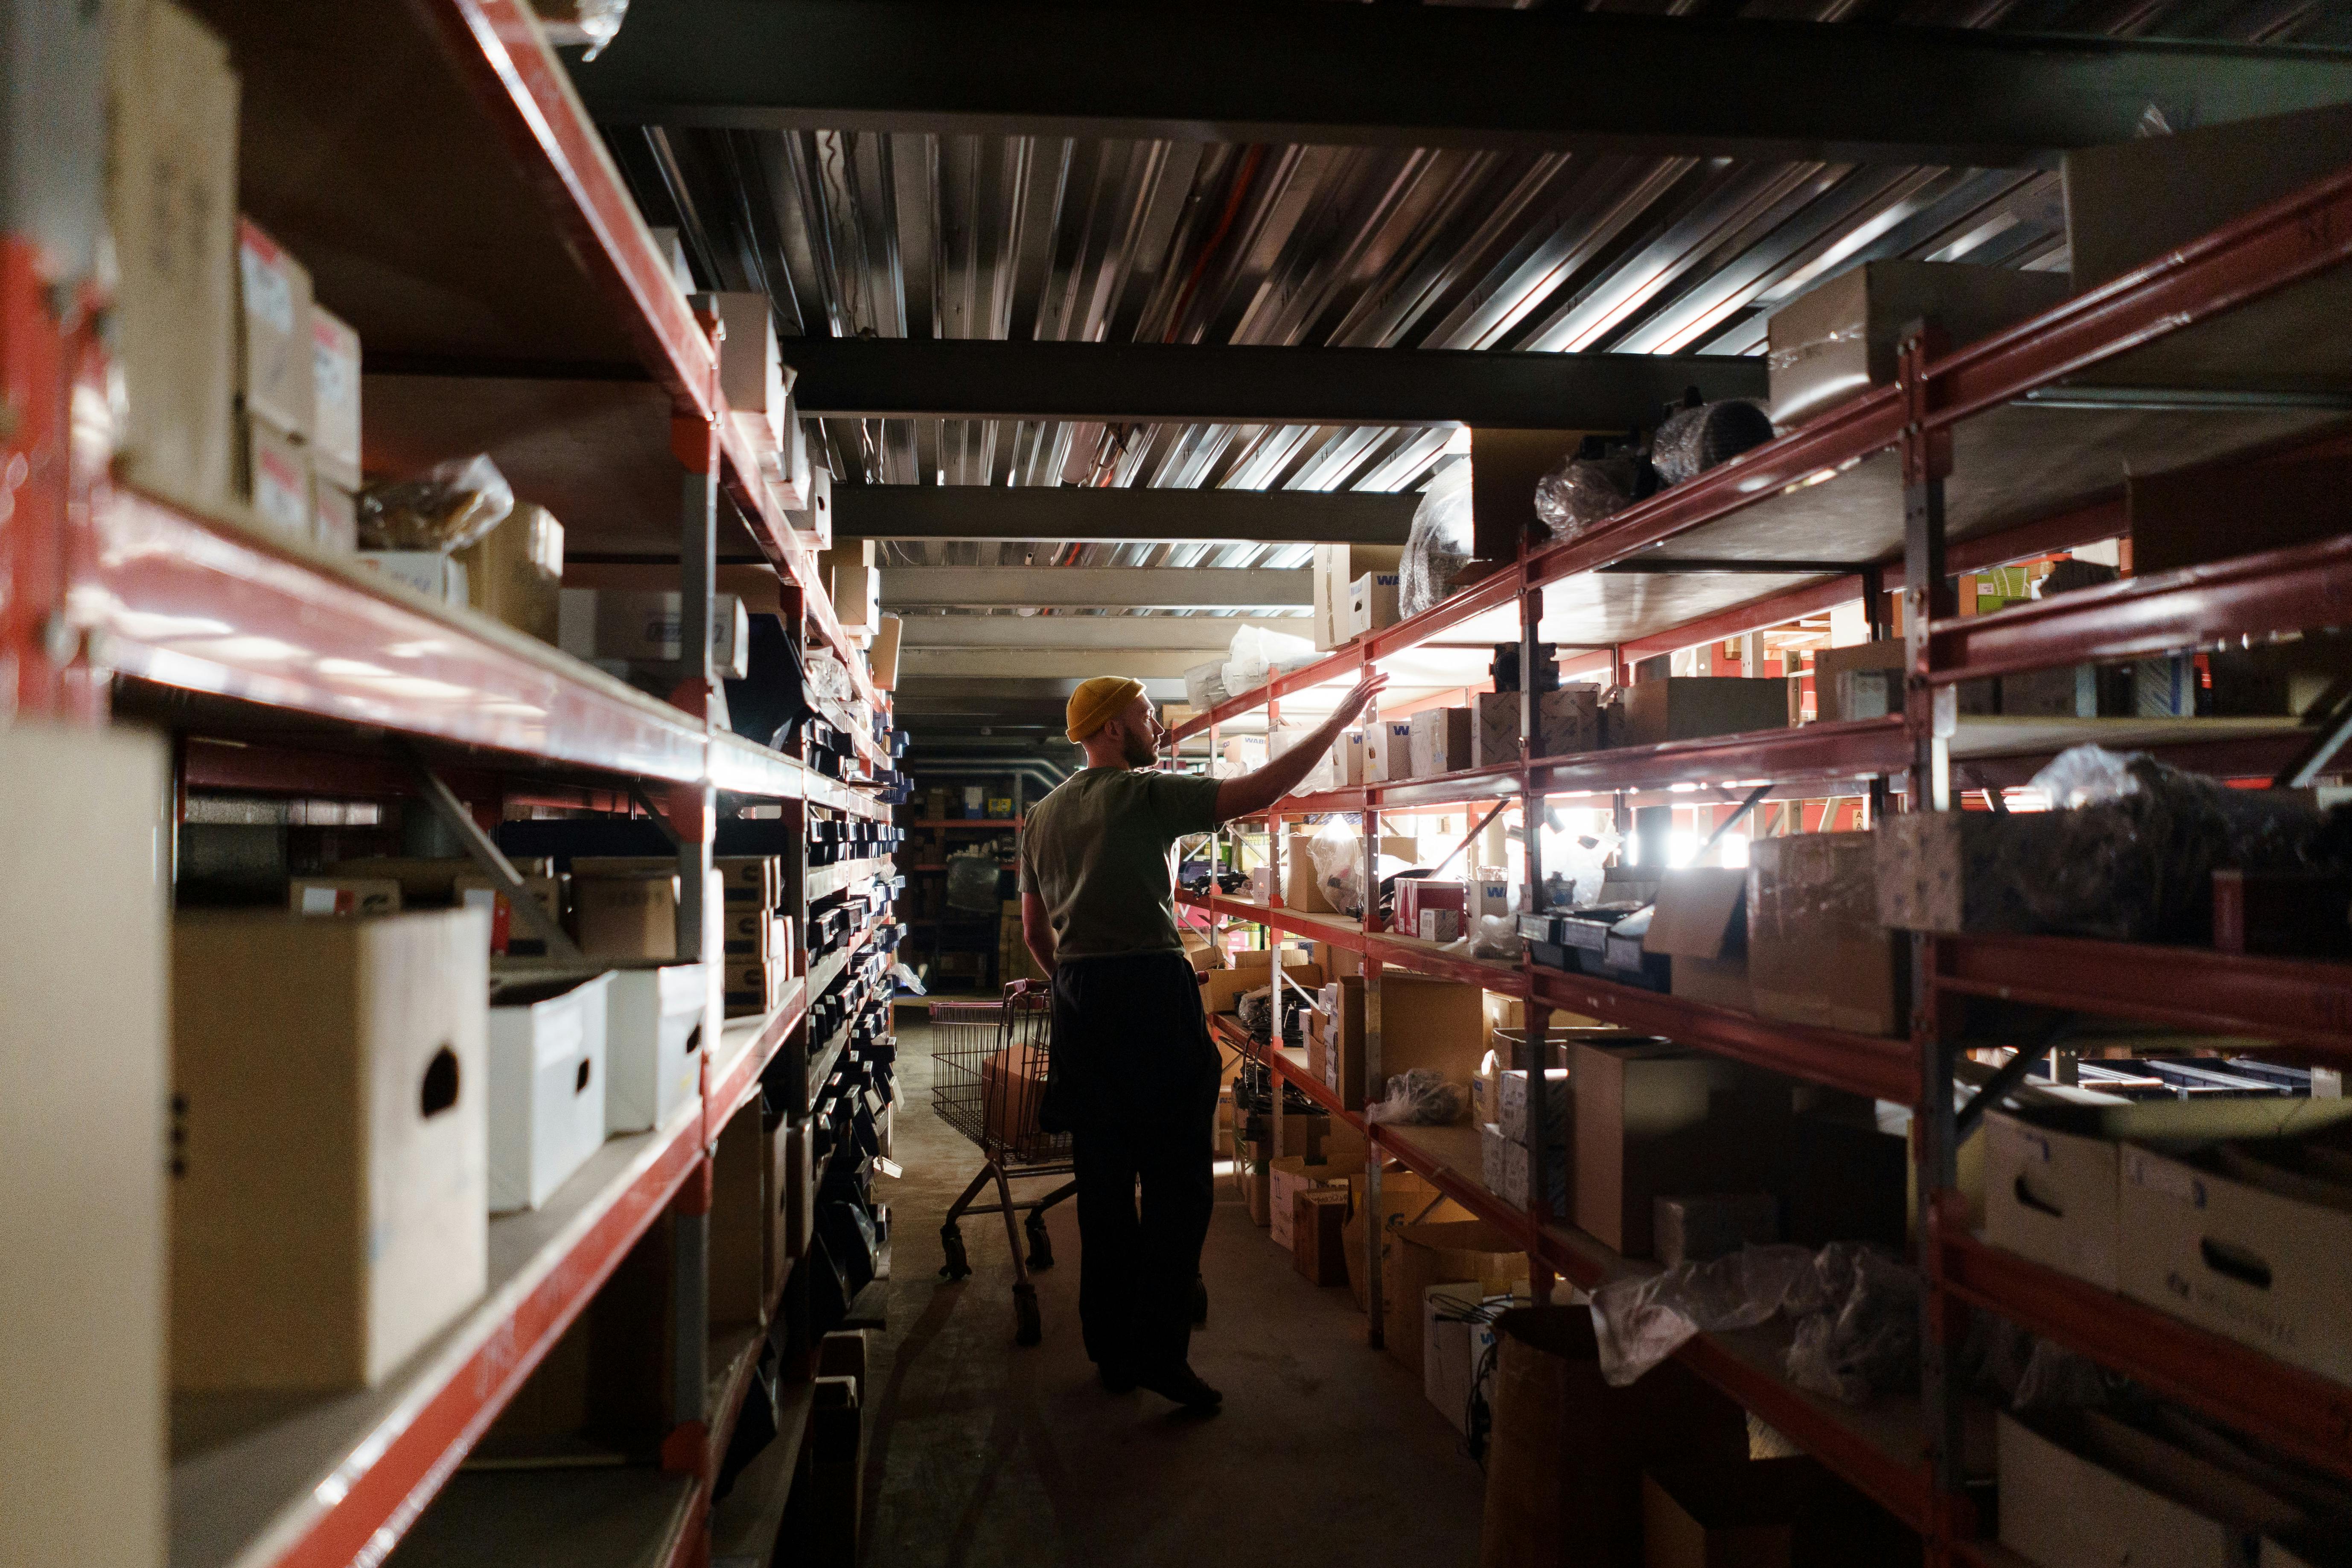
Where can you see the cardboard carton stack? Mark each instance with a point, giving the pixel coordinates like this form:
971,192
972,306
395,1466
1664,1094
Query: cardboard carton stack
755,976
298,399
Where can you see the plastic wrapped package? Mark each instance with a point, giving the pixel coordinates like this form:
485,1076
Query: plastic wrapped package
1694,440
1856,1312
1583,490
572,23
1204,685
1338,851
1857,1319
1579,866
454,505
1492,936
829,679
1256,657
1439,544
1420,1098
972,883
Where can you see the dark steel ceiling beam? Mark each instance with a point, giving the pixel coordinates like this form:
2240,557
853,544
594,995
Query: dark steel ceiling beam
1119,516
1429,76
962,378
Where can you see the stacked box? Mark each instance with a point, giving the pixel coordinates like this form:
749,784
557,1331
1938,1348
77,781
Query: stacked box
1568,721
514,574
754,983
1440,741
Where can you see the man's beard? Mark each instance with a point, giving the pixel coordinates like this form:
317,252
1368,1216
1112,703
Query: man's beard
1138,751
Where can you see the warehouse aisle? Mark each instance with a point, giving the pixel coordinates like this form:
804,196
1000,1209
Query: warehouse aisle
984,1453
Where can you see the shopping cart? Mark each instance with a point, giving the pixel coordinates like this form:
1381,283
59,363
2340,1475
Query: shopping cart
988,1077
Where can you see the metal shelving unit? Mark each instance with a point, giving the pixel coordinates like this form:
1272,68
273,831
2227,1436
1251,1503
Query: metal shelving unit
1908,483
314,674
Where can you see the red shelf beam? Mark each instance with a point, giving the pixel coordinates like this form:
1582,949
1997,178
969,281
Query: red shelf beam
2299,1411
2303,1003
1860,1064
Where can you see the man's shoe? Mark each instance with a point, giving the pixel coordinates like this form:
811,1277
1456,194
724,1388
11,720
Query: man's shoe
1116,1378
1182,1384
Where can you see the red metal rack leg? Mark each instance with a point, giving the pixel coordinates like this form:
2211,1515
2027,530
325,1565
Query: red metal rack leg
1375,1233
1534,1055
36,350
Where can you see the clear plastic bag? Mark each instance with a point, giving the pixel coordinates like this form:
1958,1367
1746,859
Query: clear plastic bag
574,22
1256,657
1641,1322
1857,1325
972,883
2084,775
453,506
1204,685
829,680
1491,936
1439,545
1694,440
1583,490
1422,1098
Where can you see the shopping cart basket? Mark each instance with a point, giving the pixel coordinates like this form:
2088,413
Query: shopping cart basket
988,1079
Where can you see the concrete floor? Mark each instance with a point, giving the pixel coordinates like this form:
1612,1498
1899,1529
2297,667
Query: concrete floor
985,1453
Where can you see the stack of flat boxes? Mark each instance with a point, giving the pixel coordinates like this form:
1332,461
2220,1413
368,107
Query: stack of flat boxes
757,934
298,399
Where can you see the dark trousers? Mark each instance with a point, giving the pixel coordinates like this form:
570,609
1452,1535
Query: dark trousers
1137,1085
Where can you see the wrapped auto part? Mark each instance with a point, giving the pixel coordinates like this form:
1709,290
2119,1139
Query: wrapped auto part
1583,490
1204,685
1694,440
454,505
1423,1096
1439,545
972,883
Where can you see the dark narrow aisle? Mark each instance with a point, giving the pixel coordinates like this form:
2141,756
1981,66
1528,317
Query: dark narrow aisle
984,1453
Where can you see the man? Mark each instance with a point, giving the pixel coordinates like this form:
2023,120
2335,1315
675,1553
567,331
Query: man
1136,1072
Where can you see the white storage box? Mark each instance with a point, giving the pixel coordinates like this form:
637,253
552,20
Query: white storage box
330,1104
547,1085
2050,1196
654,1043
2124,1498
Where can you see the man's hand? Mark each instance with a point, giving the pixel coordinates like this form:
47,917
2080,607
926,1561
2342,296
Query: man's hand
1358,698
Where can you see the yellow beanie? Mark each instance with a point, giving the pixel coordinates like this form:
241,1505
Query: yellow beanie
1098,702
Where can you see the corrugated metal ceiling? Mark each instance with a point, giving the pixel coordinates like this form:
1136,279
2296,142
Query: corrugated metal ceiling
1019,238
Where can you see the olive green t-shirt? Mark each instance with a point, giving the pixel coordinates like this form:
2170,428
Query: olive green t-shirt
1100,850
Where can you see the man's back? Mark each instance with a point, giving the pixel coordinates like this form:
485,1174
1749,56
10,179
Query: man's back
1098,852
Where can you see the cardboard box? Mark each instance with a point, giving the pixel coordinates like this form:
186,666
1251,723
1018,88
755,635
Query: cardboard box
514,574
1301,889
546,1074
1388,751
428,571
1336,568
654,1045
737,1262
625,917
1831,692
335,399
2266,1261
1446,1350
1318,1234
1425,1023
1224,988
753,986
1817,952
1458,1251
1292,1174
791,1181
1694,1229
1404,1196
342,896
1568,720
171,203
750,932
1701,922
754,879
1012,1084
275,479
644,628
1691,707
857,597
2051,1196
332,1099
510,934
1507,1170
273,332
1840,338
85,1333
750,369
1372,602
883,657
1655,1120
1717,1516
1440,738
2088,1488
1347,758
1418,896
334,516
2129,203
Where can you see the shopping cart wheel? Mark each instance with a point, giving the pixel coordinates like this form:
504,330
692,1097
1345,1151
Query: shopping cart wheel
1024,1312
951,1243
1041,1246
1199,1301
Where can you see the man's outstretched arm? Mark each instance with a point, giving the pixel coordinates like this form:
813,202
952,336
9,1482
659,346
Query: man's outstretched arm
1252,793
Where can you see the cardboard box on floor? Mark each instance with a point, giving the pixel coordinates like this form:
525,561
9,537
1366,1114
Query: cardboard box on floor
1701,920
1420,1256
331,1092
1318,1228
1425,1022
1817,952
1405,1199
